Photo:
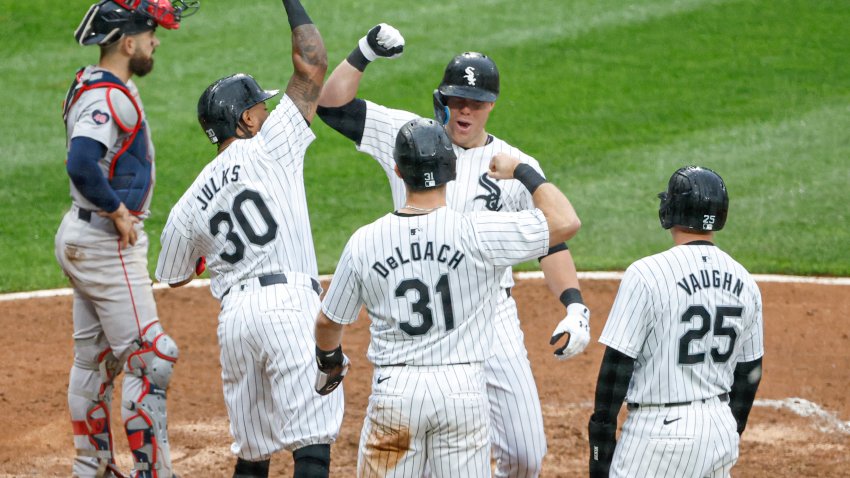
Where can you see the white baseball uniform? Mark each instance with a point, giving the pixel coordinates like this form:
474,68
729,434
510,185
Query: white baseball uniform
247,214
113,299
430,285
687,316
518,438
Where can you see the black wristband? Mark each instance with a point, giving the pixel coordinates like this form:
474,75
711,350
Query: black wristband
357,59
529,177
571,296
329,359
296,13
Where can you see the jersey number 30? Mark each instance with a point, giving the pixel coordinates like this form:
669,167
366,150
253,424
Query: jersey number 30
720,330
421,306
246,227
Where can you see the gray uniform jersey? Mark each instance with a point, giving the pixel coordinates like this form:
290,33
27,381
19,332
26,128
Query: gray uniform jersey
429,281
247,211
104,115
471,191
688,316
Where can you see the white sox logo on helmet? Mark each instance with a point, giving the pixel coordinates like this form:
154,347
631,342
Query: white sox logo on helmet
470,75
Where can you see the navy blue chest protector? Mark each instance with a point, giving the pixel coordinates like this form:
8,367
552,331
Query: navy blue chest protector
131,169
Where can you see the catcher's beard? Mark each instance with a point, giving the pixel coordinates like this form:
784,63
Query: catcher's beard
141,66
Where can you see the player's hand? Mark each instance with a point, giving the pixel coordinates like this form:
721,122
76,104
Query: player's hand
382,41
502,166
200,265
603,439
124,223
332,369
576,327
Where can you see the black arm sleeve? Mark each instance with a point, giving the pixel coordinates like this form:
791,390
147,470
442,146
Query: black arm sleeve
615,373
747,378
348,119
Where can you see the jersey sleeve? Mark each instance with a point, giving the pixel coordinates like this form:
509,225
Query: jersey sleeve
95,119
508,238
628,322
379,133
752,339
286,134
342,302
178,254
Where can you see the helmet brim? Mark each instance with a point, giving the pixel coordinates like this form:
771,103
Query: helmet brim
469,92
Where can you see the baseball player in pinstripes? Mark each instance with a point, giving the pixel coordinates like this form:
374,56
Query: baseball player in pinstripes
246,213
463,103
685,348
429,277
102,247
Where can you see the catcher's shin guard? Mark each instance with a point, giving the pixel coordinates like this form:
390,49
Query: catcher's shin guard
89,399
145,419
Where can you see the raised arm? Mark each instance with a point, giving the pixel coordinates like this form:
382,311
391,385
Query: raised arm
309,58
560,216
382,41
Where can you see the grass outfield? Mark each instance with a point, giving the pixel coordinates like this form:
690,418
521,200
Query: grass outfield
609,98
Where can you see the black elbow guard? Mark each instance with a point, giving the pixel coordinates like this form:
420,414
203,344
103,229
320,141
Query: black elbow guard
348,119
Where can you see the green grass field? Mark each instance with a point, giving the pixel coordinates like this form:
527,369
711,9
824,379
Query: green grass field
609,96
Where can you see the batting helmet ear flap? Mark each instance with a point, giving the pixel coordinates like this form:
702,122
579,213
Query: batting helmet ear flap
441,111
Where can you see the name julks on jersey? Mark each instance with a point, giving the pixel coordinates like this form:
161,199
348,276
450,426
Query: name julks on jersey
211,187
691,283
418,253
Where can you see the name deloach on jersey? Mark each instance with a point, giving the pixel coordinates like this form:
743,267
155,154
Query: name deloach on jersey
691,283
209,190
416,254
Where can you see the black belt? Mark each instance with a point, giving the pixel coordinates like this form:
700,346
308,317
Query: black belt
84,214
724,397
273,279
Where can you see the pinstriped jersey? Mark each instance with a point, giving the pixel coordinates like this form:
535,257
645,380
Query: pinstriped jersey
247,210
688,316
429,282
473,190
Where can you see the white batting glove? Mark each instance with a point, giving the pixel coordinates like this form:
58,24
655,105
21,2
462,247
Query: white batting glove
382,41
577,325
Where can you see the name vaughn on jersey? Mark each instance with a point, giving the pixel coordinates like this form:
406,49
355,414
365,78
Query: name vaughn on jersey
419,253
691,283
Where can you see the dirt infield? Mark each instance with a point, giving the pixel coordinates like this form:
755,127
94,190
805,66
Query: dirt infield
807,330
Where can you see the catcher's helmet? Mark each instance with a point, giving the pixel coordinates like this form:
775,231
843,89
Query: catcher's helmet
424,154
695,199
221,105
107,20
469,75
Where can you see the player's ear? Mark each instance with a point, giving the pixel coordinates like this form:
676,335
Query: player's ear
128,44
397,172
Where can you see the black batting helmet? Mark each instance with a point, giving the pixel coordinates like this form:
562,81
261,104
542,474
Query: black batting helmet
424,154
221,105
470,75
695,199
107,20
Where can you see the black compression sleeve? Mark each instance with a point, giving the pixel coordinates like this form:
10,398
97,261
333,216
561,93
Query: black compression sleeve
615,373
296,13
348,119
747,378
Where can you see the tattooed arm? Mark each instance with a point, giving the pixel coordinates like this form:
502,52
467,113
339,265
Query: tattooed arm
309,58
